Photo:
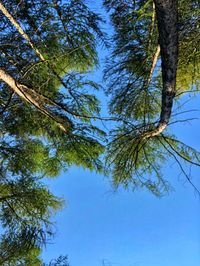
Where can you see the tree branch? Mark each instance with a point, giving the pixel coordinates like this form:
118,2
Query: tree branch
24,92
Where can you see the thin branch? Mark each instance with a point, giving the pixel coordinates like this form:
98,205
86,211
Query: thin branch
184,92
179,154
8,103
181,167
183,120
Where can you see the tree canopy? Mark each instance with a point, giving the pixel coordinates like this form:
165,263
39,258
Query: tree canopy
46,114
146,75
48,105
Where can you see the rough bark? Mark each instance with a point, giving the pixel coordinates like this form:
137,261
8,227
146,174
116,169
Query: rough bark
167,13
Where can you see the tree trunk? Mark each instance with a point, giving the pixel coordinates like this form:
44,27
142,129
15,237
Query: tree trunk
167,14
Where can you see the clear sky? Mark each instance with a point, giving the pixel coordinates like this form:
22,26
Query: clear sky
126,228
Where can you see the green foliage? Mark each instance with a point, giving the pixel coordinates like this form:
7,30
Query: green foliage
60,261
137,161
188,75
20,257
32,143
128,69
26,206
136,93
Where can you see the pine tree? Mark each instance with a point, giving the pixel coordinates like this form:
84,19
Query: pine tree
144,91
46,112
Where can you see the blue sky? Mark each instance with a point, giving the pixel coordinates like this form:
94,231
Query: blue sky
126,228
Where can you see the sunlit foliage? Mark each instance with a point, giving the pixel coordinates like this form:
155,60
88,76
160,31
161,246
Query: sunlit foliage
135,84
39,140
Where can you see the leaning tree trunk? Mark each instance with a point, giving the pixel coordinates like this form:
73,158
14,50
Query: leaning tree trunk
38,100
167,13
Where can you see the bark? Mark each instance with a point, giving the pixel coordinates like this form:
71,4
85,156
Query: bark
167,13
31,96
